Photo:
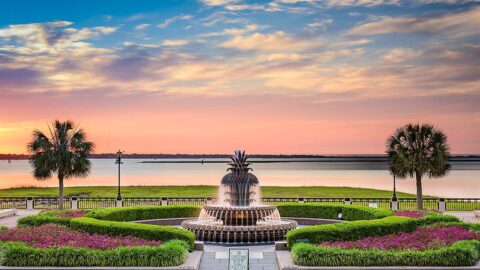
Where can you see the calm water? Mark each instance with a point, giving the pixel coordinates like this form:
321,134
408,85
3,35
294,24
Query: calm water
463,180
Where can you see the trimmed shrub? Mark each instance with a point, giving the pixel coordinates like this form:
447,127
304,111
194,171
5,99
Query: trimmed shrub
145,212
146,231
331,211
60,217
17,254
461,253
355,230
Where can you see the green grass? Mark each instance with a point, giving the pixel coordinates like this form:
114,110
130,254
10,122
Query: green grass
202,191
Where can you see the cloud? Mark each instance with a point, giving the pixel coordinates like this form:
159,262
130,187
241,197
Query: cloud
52,37
318,25
232,31
368,3
277,41
175,42
459,24
217,2
169,21
399,55
19,78
244,7
142,26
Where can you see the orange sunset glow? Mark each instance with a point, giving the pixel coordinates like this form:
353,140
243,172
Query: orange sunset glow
332,77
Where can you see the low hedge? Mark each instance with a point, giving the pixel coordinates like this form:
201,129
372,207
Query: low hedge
18,254
47,217
461,253
146,231
331,211
145,212
355,230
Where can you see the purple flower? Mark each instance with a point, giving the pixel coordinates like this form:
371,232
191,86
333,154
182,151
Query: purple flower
420,239
72,214
410,214
50,235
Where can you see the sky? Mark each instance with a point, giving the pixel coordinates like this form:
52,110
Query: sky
212,76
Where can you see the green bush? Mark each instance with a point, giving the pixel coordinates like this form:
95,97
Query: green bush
461,253
146,231
47,217
17,254
145,212
355,230
331,211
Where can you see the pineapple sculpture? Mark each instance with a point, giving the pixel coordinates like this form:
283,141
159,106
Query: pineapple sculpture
239,182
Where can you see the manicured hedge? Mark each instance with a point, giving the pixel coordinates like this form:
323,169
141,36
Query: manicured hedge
47,217
145,212
355,230
146,231
17,254
331,211
461,253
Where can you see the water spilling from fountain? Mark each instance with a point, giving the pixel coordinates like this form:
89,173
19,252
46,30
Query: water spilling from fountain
239,217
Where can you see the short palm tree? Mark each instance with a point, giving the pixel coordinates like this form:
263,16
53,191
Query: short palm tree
418,150
65,153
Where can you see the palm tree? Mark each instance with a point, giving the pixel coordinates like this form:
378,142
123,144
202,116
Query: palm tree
418,150
64,153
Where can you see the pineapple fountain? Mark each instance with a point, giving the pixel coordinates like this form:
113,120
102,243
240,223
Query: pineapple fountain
239,217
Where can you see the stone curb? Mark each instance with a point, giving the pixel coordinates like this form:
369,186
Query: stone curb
192,263
285,263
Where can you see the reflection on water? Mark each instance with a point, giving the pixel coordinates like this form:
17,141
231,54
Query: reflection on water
463,180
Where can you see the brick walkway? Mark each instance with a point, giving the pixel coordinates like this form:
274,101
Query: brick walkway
262,257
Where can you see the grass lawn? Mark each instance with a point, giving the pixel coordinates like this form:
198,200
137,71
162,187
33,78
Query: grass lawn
201,191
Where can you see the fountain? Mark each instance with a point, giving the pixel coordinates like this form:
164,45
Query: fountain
239,217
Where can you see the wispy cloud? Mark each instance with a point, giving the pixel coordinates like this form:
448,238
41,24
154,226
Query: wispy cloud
277,41
142,26
457,24
175,42
169,21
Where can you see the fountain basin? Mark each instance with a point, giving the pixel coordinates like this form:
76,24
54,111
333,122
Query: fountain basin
263,232
239,215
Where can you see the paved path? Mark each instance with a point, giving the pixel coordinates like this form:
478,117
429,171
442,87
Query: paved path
465,216
12,220
262,257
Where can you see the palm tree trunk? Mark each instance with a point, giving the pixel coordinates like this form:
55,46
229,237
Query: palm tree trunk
60,192
419,191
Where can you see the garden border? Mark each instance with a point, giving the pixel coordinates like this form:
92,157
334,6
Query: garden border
192,263
285,262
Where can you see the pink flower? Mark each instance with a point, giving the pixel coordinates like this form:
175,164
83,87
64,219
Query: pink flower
72,214
50,235
420,239
410,214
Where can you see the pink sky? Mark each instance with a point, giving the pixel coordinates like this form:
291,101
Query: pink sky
291,77
260,124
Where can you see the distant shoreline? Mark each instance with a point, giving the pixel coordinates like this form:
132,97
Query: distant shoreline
197,158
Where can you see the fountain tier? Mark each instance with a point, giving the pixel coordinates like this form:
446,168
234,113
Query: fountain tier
239,218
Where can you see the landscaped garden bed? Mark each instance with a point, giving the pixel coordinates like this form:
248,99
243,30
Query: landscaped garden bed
61,217
51,235
406,238
90,238
421,239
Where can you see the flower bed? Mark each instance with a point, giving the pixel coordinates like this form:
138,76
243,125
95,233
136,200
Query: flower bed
410,214
61,217
50,235
420,239
355,230
71,214
19,254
